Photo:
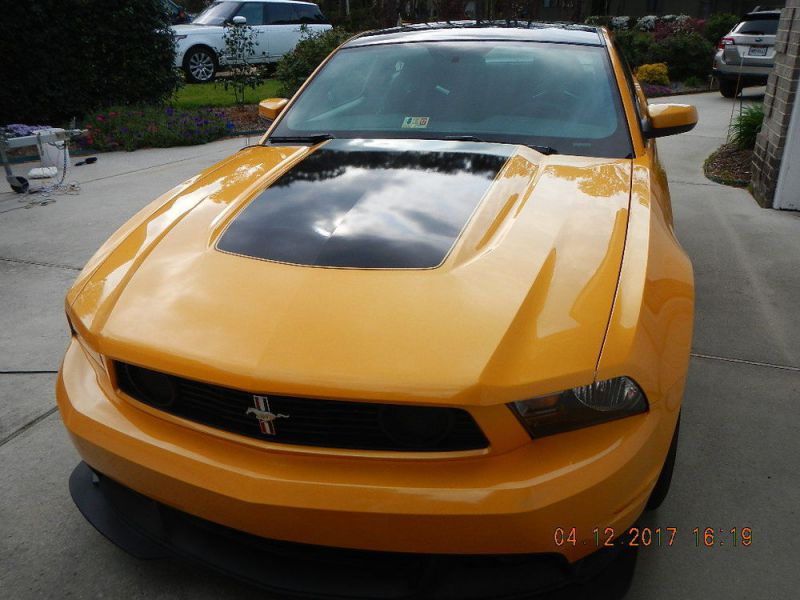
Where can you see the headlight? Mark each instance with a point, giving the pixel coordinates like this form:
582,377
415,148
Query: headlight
581,406
93,354
180,37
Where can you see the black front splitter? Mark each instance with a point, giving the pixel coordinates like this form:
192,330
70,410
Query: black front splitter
148,529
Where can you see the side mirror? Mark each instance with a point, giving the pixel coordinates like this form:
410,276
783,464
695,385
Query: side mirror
239,20
669,119
272,107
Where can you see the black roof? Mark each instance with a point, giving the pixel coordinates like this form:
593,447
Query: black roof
521,31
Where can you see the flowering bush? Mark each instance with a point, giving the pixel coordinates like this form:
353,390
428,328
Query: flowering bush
656,73
620,22
646,23
132,127
679,41
676,26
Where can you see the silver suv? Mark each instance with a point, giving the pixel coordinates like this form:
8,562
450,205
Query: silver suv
746,55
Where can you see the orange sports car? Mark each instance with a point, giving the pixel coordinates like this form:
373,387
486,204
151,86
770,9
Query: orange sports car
436,317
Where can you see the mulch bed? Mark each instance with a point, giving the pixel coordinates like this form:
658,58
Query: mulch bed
675,88
729,165
246,118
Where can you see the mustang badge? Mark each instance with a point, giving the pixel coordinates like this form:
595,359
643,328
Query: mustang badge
266,418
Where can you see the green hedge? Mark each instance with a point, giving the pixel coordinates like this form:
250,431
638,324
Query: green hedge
64,58
718,25
686,54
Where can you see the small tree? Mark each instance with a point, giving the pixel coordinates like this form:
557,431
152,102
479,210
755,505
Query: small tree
240,46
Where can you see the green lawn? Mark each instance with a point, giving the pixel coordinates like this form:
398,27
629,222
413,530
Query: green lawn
201,95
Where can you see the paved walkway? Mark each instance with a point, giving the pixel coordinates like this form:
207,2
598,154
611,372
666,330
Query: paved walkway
737,464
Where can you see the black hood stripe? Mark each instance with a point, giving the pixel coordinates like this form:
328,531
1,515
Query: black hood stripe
386,204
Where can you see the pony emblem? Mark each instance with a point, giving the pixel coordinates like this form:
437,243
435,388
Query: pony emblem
266,418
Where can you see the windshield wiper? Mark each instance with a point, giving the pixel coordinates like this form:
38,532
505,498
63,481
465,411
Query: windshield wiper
546,150
464,138
472,138
302,139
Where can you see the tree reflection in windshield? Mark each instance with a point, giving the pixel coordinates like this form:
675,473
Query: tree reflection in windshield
543,94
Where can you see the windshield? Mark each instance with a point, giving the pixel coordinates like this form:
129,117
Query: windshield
762,26
216,14
537,94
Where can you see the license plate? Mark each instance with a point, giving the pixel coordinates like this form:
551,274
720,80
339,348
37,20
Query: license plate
758,51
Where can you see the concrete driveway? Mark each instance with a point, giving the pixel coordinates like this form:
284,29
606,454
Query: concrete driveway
737,462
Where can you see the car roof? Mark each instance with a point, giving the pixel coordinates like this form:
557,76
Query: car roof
523,31
762,14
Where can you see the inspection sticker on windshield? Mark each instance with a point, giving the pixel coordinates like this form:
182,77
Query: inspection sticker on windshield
415,122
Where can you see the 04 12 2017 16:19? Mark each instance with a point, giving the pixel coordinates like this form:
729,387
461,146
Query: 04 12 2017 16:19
657,537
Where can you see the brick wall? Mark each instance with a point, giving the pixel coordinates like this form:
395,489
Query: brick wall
782,92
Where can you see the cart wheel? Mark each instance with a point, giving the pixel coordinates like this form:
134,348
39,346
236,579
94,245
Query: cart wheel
18,184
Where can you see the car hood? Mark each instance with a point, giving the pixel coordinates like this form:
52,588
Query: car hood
452,272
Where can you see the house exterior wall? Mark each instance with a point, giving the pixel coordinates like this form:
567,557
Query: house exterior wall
781,95
787,192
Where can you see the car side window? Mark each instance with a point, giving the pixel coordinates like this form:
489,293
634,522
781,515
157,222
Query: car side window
309,14
253,12
281,13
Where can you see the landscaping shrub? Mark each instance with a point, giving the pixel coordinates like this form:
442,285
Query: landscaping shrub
718,25
64,58
654,73
637,46
746,126
132,127
694,82
295,67
687,54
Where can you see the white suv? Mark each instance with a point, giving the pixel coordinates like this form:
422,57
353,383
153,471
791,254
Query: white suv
199,47
746,55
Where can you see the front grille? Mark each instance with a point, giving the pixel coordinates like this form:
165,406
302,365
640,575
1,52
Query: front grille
307,421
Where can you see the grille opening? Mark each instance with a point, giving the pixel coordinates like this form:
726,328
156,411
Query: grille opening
305,421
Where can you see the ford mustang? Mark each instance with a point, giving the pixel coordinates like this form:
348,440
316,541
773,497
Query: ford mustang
436,320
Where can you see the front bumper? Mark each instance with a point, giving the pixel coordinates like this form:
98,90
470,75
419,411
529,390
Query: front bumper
494,503
150,530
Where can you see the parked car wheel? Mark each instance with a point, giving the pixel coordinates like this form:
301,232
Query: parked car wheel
729,88
659,493
200,64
